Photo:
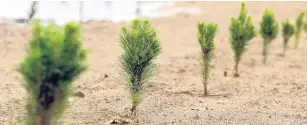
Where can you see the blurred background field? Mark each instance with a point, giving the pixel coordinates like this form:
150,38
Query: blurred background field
61,12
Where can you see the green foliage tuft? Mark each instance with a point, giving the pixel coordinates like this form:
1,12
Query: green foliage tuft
243,12
268,25
268,30
54,59
287,31
141,46
205,35
299,27
242,31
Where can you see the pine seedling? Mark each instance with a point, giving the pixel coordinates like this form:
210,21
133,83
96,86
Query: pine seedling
242,31
54,59
268,31
205,35
299,27
141,46
287,31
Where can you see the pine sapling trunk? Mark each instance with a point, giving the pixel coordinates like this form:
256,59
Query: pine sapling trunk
265,50
237,69
45,116
205,82
135,92
133,110
205,88
206,68
206,76
285,46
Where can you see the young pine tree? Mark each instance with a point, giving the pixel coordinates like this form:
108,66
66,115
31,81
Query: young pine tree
242,31
299,27
268,31
205,35
54,59
141,46
287,31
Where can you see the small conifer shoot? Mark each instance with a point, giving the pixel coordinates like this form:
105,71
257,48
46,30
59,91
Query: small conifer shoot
54,59
287,32
268,31
205,35
141,46
299,27
242,31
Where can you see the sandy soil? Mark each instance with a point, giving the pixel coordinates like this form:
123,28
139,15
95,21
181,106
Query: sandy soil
272,94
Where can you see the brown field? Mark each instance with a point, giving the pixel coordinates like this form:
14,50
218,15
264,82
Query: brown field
272,94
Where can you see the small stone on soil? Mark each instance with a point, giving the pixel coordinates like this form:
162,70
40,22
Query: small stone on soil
119,120
106,76
79,94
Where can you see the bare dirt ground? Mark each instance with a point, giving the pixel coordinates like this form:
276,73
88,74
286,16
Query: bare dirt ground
272,94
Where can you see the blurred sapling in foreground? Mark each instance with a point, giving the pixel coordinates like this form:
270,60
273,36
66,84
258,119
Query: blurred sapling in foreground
54,60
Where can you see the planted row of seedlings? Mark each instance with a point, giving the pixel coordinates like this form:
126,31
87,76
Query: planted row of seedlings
55,58
242,31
